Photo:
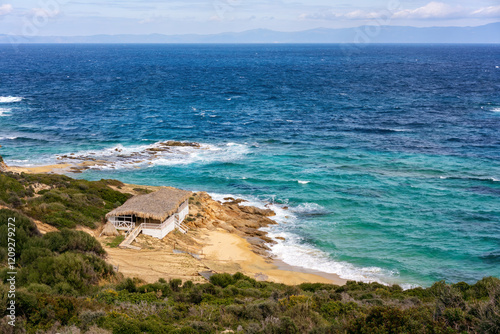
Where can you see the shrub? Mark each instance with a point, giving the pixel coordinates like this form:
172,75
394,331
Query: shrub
222,280
127,284
175,284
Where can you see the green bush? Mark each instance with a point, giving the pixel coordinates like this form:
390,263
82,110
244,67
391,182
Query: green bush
222,280
67,203
63,282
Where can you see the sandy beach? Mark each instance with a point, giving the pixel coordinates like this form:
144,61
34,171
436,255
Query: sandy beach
221,239
59,168
226,252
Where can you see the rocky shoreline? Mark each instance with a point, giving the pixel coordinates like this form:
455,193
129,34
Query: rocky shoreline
231,216
82,162
232,225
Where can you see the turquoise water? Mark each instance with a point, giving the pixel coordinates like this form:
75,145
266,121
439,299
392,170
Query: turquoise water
382,166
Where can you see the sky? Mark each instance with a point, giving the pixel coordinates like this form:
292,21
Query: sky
81,18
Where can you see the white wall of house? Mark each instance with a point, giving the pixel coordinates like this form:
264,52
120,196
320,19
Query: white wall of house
183,212
167,226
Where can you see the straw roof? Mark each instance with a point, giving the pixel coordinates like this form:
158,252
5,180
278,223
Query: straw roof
109,230
158,205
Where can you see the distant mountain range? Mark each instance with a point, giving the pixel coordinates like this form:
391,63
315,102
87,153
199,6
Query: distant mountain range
489,33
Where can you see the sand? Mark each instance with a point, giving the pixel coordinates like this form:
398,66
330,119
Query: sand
151,265
226,252
222,252
60,168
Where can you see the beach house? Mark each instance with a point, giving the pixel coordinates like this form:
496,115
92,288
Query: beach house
155,214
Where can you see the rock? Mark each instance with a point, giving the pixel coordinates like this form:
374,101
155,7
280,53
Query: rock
280,238
256,211
244,221
179,143
3,165
156,149
261,277
230,200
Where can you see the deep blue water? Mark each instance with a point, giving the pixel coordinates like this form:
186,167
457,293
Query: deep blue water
388,159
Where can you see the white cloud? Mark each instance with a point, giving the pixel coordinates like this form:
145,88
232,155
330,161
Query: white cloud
354,15
433,10
5,9
42,12
492,12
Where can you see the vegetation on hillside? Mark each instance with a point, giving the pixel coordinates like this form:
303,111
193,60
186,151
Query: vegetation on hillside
60,200
64,285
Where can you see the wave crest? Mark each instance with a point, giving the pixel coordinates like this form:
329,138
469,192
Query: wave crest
168,153
10,99
293,250
5,112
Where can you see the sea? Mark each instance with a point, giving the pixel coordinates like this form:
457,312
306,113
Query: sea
382,162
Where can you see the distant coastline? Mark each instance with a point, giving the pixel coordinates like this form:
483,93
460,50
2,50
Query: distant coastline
386,34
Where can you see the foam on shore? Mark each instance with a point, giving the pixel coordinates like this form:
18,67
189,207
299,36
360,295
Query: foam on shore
295,251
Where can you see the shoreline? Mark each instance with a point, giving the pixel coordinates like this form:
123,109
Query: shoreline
225,249
221,227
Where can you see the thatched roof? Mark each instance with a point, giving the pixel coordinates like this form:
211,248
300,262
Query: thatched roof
158,205
109,230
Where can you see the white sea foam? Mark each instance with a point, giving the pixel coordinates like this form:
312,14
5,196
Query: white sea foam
475,178
309,208
303,182
296,252
495,109
10,99
119,156
5,112
8,138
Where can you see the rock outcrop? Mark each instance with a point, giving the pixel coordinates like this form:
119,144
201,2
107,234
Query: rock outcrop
245,221
3,165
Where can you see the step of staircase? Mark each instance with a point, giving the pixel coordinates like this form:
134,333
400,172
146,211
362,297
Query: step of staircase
131,237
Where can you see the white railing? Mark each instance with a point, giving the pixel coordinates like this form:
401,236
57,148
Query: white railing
180,226
122,224
159,226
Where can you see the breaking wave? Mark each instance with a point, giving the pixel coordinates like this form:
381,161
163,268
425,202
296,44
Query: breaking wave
472,178
10,99
160,153
5,112
295,251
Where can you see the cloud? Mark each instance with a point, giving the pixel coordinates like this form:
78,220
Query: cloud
331,15
41,12
431,11
487,12
5,9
